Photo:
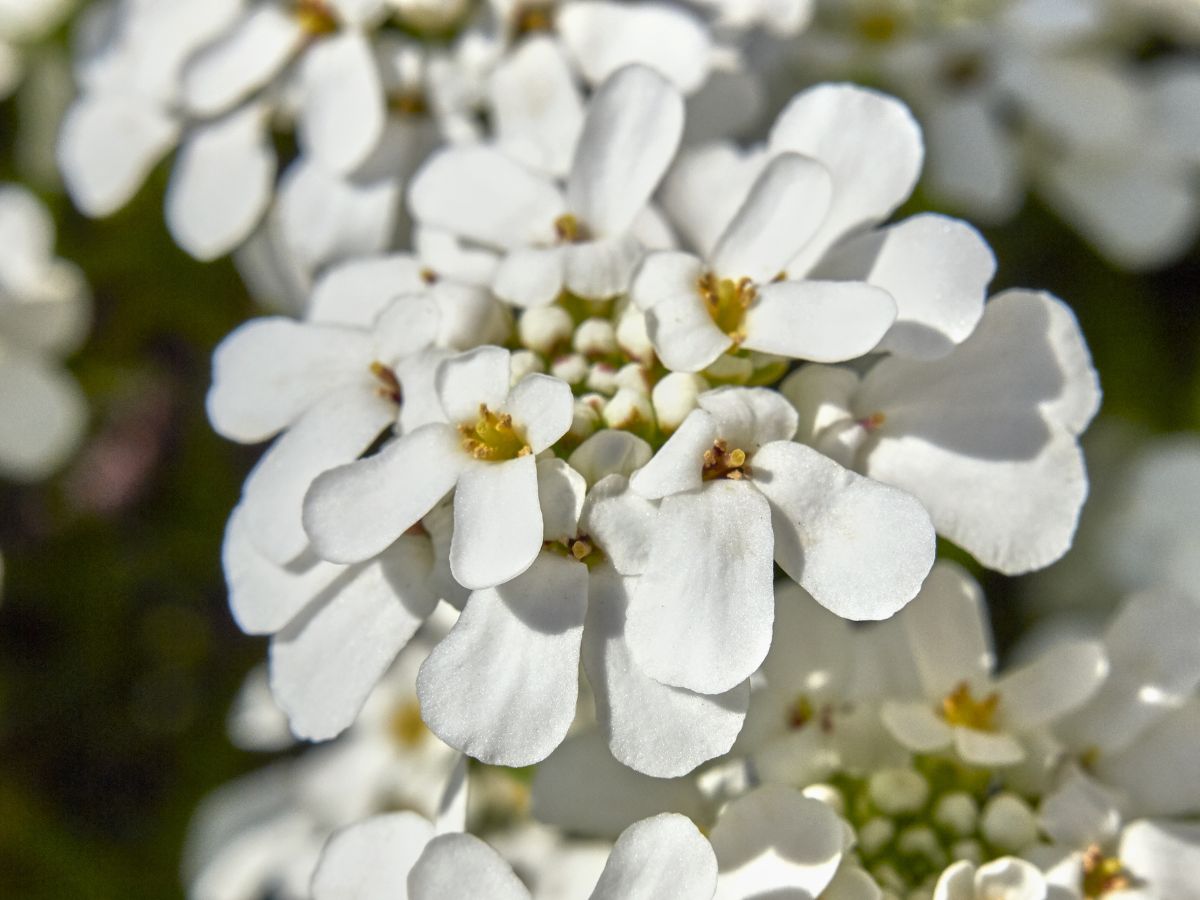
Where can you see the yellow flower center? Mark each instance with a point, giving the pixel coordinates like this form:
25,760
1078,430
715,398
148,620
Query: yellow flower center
493,437
959,707
721,462
1103,874
406,726
727,301
389,385
315,17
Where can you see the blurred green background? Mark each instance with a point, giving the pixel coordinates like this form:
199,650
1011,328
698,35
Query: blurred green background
118,657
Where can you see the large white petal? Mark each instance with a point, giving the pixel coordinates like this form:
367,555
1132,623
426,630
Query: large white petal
656,729
630,135
107,145
1160,773
937,270
621,522
355,511
870,144
774,842
542,406
333,432
462,867
705,188
604,36
356,291
916,726
497,522
502,685
1060,680
948,631
531,276
702,610
781,212
684,335
601,269
342,114
859,547
823,321
370,860
749,417
1164,857
679,463
325,663
465,381
665,856
223,180
480,194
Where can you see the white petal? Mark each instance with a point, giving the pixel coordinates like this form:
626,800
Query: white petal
684,334
937,270
222,183
974,162
480,194
702,612
957,882
462,867
356,291
948,631
610,452
1160,773
355,511
543,407
604,36
749,417
268,372
582,789
1010,878
531,276
497,522
332,433
1166,855
774,842
107,145
370,860
1079,812
705,188
603,268
560,492
537,107
782,211
633,126
342,116
502,685
870,144
653,728
408,325
859,547
823,321
679,463
325,663
665,856
987,749
44,414
822,395
621,522
247,58
1057,682
465,381
916,726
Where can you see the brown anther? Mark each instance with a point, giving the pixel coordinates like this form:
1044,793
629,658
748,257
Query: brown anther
581,549
428,275
406,726
959,707
799,713
874,421
721,462
389,384
1103,875
408,103
315,17
534,17
569,229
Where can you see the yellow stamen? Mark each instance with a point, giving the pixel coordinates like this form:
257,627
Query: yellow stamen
315,17
727,301
800,713
389,384
1103,874
429,276
569,229
959,707
406,725
493,437
408,103
721,462
534,17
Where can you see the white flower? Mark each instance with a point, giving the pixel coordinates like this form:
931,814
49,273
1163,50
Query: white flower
24,22
583,239
1007,878
983,717
986,437
44,315
737,495
484,450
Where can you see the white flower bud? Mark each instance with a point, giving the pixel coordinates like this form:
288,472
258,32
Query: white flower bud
1008,823
957,813
431,16
632,335
545,328
602,378
635,377
595,337
525,362
827,794
675,396
972,851
898,791
920,840
585,420
572,368
627,408
731,369
875,834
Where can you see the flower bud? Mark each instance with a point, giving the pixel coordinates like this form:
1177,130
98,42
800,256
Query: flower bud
898,791
595,337
632,336
969,850
602,378
585,420
675,396
875,834
957,813
635,377
920,840
572,368
1008,823
525,362
628,409
545,328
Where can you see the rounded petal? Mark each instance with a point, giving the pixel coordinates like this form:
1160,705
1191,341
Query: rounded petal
749,417
326,662
632,130
1166,855
651,727
974,162
497,522
782,211
988,749
665,856
949,633
531,276
342,115
679,463
462,867
465,381
543,407
861,548
871,146
621,523
702,610
355,292
937,269
609,452
357,510
684,335
1060,680
602,269
775,842
916,726
370,860
502,685
560,492
1011,878
1160,773
823,321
